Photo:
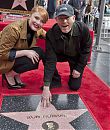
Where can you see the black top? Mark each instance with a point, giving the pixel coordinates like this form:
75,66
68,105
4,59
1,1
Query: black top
67,34
30,34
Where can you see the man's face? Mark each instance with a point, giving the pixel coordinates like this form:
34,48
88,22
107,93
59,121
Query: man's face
35,21
65,23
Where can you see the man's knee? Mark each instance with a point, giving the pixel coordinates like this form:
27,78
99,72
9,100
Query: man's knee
74,83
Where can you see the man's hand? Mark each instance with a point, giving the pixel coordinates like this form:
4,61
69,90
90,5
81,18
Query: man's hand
76,74
46,97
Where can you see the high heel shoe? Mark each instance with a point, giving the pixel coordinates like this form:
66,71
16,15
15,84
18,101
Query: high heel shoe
15,86
19,83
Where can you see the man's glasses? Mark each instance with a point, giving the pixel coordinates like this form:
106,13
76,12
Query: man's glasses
63,18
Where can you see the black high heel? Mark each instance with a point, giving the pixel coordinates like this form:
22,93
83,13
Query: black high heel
19,83
15,86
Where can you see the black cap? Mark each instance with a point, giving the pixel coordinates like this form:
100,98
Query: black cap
64,9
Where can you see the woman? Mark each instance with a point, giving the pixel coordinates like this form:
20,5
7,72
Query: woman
18,52
87,12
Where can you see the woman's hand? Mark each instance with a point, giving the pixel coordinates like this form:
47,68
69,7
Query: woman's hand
46,97
29,53
33,56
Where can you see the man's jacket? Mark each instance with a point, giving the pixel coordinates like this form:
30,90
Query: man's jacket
56,46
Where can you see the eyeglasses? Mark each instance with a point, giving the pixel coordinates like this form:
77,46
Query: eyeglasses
60,18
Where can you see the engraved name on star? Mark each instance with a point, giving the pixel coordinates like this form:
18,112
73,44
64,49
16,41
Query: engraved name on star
50,116
19,2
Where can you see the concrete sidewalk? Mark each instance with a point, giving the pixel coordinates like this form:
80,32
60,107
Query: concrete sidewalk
103,46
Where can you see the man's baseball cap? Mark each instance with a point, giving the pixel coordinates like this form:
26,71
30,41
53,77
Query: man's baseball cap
64,9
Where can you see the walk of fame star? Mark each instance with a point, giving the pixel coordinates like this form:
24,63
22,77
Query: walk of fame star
19,2
47,117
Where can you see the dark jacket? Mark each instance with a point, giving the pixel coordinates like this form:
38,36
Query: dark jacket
51,6
76,4
55,46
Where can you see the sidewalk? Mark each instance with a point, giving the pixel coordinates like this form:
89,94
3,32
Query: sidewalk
103,46
100,59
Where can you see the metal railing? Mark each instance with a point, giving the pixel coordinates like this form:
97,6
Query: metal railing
105,32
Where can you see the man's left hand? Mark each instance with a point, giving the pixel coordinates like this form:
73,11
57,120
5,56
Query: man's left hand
46,97
76,74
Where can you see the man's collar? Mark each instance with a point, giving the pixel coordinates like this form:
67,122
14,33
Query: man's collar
75,30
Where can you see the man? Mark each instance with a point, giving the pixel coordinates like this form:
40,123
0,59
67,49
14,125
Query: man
68,40
78,6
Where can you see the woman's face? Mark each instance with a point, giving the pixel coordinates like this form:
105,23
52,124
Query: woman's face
36,21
